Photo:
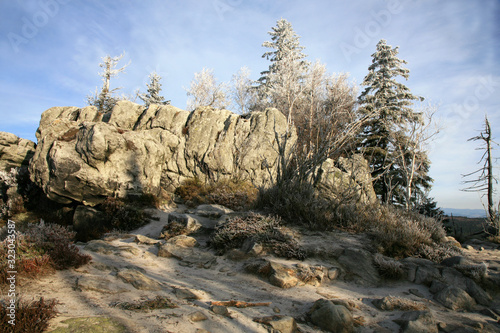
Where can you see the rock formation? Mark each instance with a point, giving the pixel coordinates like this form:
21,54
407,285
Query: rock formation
14,151
141,150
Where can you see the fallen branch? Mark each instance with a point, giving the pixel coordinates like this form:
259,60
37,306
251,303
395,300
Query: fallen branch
239,304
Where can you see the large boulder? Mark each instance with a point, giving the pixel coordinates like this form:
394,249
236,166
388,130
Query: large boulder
84,157
14,151
348,177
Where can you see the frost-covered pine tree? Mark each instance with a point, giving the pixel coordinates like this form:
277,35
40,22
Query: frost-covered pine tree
105,99
282,85
388,105
152,96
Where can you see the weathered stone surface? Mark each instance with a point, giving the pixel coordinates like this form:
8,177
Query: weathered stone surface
141,239
102,284
91,324
82,158
14,151
478,293
185,293
420,271
197,316
331,317
358,265
183,241
138,280
212,211
103,247
351,174
179,224
282,324
417,322
455,298
188,255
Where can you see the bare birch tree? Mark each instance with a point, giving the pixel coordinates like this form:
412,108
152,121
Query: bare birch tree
204,90
411,147
243,94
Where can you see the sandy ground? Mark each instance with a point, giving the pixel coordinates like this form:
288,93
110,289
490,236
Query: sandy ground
226,281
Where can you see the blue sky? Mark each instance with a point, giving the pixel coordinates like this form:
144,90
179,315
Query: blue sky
51,50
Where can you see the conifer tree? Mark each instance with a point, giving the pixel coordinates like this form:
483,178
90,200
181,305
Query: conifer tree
105,99
152,96
389,105
281,86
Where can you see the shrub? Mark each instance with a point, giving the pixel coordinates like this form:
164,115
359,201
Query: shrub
266,230
31,316
438,252
41,249
193,192
57,241
399,233
122,216
232,193
388,267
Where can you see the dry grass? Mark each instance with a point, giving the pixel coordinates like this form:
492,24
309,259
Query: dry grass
388,267
41,249
31,316
266,230
232,193
391,303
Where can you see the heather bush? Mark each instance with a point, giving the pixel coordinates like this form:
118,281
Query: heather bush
388,267
232,193
266,230
31,316
399,233
121,215
41,249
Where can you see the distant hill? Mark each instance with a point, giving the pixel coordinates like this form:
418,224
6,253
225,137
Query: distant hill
465,212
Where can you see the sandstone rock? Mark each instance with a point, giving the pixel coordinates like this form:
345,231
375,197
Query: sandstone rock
282,324
179,224
455,298
188,255
358,265
138,280
183,241
212,211
220,310
185,293
331,317
478,293
92,324
83,158
348,173
282,277
197,316
100,246
420,271
417,322
101,284
14,151
141,239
